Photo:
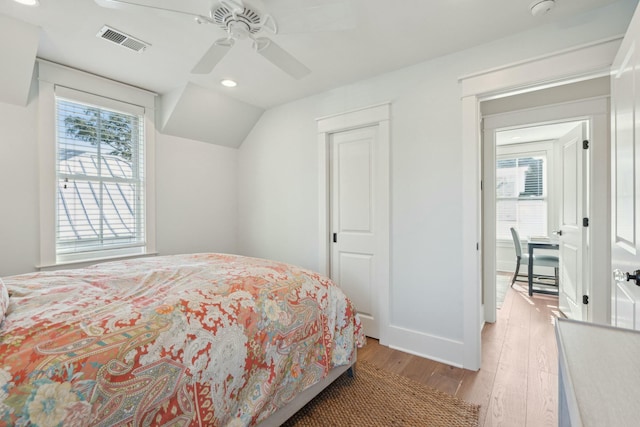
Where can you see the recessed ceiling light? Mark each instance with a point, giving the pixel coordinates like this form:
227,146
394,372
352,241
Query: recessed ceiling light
228,83
28,2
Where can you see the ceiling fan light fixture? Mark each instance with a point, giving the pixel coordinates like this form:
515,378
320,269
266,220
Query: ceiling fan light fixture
541,7
28,2
228,83
239,30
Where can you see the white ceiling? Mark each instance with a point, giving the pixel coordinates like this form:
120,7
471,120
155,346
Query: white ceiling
547,132
384,35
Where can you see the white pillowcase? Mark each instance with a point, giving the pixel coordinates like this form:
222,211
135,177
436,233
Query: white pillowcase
4,300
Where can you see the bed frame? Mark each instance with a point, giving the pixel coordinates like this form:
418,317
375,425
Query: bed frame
283,414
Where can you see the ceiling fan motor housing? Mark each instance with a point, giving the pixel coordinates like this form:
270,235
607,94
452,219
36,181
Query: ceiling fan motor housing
238,24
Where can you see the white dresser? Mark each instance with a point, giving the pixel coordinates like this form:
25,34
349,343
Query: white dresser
599,375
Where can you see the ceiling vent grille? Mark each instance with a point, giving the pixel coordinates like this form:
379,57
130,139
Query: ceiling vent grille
122,39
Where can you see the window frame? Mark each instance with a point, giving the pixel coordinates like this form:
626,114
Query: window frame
78,86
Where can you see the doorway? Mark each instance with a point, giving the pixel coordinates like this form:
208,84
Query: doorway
586,63
532,172
534,137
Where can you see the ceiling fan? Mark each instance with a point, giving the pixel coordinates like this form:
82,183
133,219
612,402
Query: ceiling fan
239,22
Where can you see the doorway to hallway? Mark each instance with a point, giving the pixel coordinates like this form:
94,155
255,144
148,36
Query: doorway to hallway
530,182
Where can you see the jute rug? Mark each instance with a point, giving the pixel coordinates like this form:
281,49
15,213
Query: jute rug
378,398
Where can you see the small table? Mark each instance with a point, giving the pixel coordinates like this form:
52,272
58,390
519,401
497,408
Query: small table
598,375
539,245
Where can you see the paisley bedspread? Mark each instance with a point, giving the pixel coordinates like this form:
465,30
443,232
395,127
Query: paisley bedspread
202,339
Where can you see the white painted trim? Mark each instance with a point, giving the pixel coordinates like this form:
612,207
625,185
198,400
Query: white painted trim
577,63
150,181
51,75
377,115
489,256
79,79
89,262
583,62
548,114
599,212
429,346
471,237
323,205
354,118
47,170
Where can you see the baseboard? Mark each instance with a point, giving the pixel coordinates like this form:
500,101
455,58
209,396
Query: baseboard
505,266
425,345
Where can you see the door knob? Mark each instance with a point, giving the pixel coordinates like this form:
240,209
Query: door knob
635,277
559,232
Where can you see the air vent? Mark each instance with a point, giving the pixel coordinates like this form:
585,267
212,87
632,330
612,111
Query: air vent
122,39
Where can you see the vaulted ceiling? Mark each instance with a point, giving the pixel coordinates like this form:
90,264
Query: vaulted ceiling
339,41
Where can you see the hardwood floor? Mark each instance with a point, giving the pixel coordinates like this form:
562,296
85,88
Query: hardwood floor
517,384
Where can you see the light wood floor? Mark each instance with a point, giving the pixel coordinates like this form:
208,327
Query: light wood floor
517,384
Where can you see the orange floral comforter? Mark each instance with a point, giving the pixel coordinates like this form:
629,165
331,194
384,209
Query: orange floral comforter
203,339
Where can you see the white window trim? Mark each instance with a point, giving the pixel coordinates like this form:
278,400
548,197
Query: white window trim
51,75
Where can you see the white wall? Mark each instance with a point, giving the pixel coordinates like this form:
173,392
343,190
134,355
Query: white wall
196,190
278,184
278,199
196,193
19,217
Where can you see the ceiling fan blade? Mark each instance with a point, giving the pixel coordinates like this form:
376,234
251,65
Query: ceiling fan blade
281,58
210,59
118,4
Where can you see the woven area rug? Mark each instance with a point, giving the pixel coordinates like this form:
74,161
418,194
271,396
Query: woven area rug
379,398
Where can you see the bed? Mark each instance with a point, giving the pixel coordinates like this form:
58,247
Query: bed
199,339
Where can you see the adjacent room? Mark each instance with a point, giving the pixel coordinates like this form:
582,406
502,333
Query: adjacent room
240,212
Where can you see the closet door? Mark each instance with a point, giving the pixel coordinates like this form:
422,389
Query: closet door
353,221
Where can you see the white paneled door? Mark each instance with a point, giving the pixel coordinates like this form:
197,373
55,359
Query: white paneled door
572,230
625,156
353,254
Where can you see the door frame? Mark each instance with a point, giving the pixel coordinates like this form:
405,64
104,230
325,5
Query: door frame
375,115
571,65
595,112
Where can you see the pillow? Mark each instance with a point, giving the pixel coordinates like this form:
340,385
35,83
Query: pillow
4,300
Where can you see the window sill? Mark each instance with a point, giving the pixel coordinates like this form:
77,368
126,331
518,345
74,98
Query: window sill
88,262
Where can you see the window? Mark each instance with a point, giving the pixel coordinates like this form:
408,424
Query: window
96,145
521,195
100,176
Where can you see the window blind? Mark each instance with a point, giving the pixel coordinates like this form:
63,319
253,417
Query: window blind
100,173
521,196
